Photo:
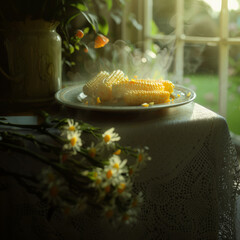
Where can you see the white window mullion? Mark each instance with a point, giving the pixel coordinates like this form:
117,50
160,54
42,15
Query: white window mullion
179,58
223,59
147,6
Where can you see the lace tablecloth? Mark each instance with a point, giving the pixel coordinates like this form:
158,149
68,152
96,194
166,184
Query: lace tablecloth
190,186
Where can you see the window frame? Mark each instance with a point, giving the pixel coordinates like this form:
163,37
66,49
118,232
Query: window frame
143,12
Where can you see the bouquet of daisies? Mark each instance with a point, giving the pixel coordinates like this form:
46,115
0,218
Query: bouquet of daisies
83,167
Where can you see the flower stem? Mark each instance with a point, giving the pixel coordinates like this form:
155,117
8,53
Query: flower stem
33,138
32,126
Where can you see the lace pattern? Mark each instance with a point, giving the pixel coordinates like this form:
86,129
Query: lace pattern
190,187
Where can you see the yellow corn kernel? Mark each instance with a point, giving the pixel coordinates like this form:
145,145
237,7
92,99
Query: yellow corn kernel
98,100
168,85
145,105
137,97
119,88
189,94
91,86
104,90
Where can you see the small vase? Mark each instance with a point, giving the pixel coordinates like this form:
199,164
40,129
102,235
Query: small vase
34,60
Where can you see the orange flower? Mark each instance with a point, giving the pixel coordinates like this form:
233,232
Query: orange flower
79,34
100,41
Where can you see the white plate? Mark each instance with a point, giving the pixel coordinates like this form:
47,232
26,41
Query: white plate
73,96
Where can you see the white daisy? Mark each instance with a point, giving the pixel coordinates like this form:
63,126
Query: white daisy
110,136
97,176
129,217
94,149
71,126
74,142
81,205
109,211
137,201
101,182
142,158
47,176
124,189
53,190
112,175
116,163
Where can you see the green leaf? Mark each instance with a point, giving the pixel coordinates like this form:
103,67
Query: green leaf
80,7
71,49
109,4
122,2
104,28
86,30
77,47
72,17
92,19
154,28
116,17
65,43
134,22
92,54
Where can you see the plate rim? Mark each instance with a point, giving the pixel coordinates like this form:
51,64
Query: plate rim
121,108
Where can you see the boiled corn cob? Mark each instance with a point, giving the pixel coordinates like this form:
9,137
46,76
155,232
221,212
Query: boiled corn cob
104,90
168,85
137,97
90,88
119,88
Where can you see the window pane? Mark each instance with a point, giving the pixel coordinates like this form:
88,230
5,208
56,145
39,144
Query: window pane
233,104
163,16
201,73
201,18
234,18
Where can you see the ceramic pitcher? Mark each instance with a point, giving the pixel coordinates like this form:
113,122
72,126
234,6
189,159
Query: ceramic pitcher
34,59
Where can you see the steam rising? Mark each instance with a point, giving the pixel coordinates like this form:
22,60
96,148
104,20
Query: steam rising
131,60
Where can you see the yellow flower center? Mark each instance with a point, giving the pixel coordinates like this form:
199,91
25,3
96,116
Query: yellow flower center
71,128
107,189
116,165
95,174
125,217
109,213
140,157
98,181
117,152
109,174
73,141
92,152
107,138
121,187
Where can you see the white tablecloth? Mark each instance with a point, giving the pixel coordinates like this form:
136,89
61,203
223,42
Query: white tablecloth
189,186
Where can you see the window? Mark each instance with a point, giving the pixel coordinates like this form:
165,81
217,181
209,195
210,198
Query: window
205,38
